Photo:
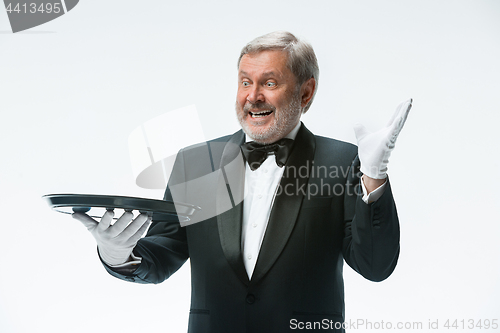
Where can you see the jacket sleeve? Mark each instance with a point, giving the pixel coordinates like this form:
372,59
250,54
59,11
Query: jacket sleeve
371,231
164,249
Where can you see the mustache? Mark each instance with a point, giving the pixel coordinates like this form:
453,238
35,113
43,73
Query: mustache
258,106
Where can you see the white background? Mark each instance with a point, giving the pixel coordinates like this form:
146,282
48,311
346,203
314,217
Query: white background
72,90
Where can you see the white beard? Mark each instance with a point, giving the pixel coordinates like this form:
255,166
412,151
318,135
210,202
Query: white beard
284,120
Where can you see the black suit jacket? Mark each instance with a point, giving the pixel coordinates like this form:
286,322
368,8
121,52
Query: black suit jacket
318,219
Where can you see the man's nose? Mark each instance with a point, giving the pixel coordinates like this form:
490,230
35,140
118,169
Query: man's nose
255,95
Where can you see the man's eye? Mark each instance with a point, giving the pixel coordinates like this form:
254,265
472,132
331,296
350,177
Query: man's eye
270,84
245,84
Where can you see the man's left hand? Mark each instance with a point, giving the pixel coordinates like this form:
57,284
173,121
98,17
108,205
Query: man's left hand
375,148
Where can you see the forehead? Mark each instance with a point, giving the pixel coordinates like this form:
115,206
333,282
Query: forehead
269,61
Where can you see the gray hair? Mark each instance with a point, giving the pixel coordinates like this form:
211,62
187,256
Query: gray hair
301,58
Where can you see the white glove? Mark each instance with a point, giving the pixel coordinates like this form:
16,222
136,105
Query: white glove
375,148
115,242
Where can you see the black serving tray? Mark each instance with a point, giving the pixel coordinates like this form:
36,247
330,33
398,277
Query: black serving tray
95,206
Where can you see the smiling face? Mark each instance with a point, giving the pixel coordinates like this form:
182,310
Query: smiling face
268,103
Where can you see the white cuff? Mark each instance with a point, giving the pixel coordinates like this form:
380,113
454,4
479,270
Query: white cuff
373,195
132,261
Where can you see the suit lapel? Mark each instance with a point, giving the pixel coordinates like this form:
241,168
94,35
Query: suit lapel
287,203
229,200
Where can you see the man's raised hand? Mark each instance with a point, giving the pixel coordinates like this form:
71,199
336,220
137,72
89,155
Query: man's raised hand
375,148
115,241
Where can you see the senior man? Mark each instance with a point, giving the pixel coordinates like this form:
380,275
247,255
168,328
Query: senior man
281,214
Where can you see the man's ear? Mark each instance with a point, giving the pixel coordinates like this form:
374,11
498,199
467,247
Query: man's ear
307,91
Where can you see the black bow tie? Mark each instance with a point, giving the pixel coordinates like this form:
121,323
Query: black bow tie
256,153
